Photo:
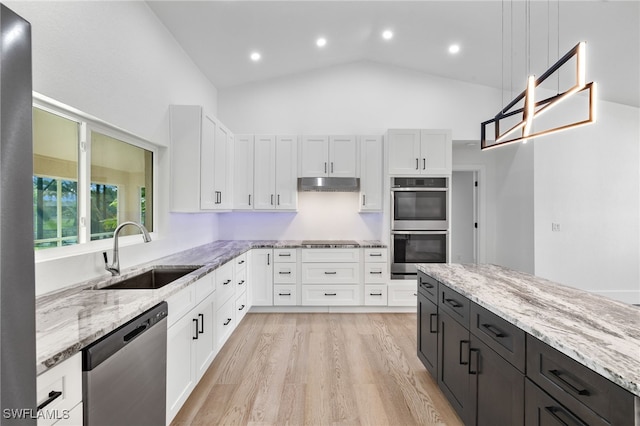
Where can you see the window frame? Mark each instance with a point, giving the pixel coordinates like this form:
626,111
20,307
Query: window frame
88,124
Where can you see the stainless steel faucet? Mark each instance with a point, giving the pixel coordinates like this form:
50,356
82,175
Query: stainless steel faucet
114,268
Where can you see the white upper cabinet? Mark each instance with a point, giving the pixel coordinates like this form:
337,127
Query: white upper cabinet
334,156
201,161
275,172
419,152
370,173
243,172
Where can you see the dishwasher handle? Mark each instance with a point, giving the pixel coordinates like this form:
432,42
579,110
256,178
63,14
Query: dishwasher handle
140,329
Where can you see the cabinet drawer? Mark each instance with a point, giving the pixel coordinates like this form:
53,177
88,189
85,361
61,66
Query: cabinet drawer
331,255
454,304
284,295
330,273
289,255
241,281
376,273
181,303
225,322
205,286
375,295
284,273
224,283
402,294
241,307
541,409
328,295
576,386
428,286
62,387
500,335
240,262
375,255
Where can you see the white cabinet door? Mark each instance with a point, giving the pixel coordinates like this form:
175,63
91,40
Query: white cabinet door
223,156
243,172
225,322
315,156
205,341
208,194
403,148
181,372
436,151
264,172
185,155
343,156
370,173
261,277
286,172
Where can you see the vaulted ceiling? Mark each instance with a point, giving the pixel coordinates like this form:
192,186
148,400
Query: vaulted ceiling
499,40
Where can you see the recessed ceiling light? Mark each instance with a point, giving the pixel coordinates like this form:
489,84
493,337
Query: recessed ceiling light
255,56
321,42
387,34
454,48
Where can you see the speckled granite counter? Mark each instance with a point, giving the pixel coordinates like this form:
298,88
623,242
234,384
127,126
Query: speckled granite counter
600,333
70,319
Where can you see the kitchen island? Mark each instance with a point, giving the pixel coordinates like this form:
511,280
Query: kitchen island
537,327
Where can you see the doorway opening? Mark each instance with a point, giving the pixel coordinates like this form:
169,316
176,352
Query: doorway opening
464,216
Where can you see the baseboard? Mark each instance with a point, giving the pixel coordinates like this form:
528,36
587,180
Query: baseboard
333,309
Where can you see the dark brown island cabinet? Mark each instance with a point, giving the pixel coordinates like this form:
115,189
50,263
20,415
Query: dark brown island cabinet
493,373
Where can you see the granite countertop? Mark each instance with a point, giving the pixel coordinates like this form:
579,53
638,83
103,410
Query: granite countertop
599,333
72,318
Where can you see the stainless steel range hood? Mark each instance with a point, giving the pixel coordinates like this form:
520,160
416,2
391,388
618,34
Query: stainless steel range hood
329,184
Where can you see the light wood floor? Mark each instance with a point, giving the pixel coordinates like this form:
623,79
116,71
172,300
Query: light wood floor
322,369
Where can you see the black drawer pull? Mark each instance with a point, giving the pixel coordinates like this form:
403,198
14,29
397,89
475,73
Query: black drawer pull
375,272
330,273
454,303
330,294
197,330
569,418
494,330
477,357
241,282
241,262
375,294
284,254
284,294
431,317
375,254
201,331
241,308
558,374
226,282
53,395
461,361
285,273
426,284
227,321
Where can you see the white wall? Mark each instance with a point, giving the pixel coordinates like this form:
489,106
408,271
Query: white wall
588,181
114,60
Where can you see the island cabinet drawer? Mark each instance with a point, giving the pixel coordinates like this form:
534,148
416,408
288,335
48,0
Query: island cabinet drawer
454,304
376,273
577,387
375,295
59,390
428,286
375,255
540,409
331,255
224,284
289,255
330,295
284,273
284,295
500,335
330,273
240,262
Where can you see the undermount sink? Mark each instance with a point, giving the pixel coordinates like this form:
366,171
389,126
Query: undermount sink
152,279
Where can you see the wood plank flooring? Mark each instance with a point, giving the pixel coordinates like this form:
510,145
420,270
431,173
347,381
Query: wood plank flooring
319,369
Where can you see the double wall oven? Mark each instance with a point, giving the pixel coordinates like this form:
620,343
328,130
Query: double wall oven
419,224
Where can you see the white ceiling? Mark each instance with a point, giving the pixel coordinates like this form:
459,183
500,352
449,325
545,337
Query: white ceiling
219,36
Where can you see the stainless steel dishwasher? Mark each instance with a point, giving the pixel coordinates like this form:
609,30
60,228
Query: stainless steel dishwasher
124,373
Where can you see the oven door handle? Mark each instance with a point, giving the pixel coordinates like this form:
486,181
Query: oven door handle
419,189
420,232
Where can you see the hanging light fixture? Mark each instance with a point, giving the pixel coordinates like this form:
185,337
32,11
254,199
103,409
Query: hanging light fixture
532,109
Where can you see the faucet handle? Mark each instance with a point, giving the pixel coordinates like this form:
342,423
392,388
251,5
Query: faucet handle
106,260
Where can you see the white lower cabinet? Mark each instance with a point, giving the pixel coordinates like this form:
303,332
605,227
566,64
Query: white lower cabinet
225,322
241,307
331,277
331,295
404,294
285,295
261,277
376,276
375,294
59,393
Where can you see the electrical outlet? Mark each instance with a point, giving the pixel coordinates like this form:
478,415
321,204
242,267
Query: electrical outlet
555,227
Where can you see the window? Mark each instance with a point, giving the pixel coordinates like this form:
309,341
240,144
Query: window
83,190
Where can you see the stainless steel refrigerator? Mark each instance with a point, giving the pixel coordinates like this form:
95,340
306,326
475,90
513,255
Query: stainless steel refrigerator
17,275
